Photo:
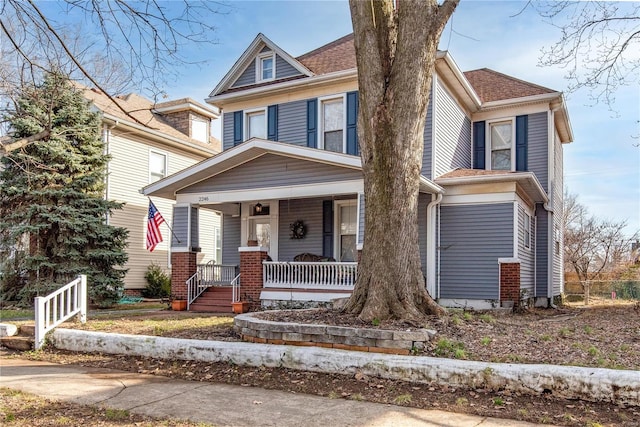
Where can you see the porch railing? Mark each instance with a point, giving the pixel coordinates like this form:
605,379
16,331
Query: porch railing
59,306
235,289
207,275
310,275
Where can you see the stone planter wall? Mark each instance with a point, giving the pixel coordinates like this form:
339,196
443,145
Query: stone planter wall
253,329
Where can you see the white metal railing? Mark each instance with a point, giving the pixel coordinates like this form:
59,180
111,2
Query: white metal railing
235,289
59,306
310,275
207,275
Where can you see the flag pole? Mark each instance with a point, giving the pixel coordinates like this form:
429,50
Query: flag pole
165,222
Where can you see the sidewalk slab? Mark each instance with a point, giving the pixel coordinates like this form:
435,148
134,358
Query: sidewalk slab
218,404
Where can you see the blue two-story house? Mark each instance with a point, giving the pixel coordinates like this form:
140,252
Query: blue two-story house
289,179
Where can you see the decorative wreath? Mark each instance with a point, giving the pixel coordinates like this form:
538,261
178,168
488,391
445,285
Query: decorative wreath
298,230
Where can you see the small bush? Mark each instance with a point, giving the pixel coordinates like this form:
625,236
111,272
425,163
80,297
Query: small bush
158,283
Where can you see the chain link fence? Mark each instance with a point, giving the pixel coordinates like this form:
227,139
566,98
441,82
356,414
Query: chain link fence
602,290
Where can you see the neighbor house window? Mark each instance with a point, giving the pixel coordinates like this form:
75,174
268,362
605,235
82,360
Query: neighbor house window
265,66
256,124
332,121
157,166
501,140
200,130
527,231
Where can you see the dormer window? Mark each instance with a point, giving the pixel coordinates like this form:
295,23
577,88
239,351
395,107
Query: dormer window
265,66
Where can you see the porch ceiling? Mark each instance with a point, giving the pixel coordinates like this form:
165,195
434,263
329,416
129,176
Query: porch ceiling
257,169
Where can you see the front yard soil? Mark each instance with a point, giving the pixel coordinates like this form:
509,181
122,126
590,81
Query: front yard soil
605,337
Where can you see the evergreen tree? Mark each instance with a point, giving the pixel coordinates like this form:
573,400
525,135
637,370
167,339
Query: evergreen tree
52,198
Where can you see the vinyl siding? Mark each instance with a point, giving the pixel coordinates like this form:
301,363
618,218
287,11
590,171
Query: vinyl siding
230,239
542,245
129,172
248,76
292,123
273,171
453,134
526,255
284,69
558,207
472,239
180,227
538,148
427,154
310,212
227,130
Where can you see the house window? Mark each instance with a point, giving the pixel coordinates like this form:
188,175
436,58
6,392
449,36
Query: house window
527,231
256,124
157,166
501,140
265,67
346,229
332,121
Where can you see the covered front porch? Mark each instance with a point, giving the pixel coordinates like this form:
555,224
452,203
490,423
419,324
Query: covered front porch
292,222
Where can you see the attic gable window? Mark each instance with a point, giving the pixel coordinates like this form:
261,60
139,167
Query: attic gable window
265,67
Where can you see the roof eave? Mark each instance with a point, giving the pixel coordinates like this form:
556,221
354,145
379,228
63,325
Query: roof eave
218,100
156,135
188,106
473,99
540,197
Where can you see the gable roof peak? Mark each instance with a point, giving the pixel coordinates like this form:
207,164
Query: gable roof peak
249,55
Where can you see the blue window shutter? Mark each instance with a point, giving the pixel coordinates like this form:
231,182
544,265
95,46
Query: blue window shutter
272,122
479,145
522,130
237,127
352,124
327,228
312,123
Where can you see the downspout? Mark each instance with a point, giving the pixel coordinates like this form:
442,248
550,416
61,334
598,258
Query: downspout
434,290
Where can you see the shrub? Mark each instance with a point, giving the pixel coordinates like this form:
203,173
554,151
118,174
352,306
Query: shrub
158,283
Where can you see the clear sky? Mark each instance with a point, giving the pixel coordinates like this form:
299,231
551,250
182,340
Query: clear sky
602,165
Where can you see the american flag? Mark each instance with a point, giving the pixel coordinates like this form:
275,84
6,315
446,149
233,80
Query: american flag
154,219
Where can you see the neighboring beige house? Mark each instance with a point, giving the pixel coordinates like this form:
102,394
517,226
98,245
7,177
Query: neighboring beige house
156,141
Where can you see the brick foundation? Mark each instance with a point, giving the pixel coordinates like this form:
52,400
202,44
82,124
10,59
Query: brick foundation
510,282
183,266
251,281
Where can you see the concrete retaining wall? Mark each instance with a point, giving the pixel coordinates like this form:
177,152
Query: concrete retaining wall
591,384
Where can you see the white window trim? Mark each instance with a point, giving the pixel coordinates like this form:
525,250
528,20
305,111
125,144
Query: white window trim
524,242
166,163
487,139
336,224
259,58
323,99
250,112
207,125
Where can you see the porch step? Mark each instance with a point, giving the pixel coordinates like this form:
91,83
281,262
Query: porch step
23,341
216,299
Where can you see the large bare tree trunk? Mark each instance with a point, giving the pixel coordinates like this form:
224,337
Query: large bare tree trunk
396,52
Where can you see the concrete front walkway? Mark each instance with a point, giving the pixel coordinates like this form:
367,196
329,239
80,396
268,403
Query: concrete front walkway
218,404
